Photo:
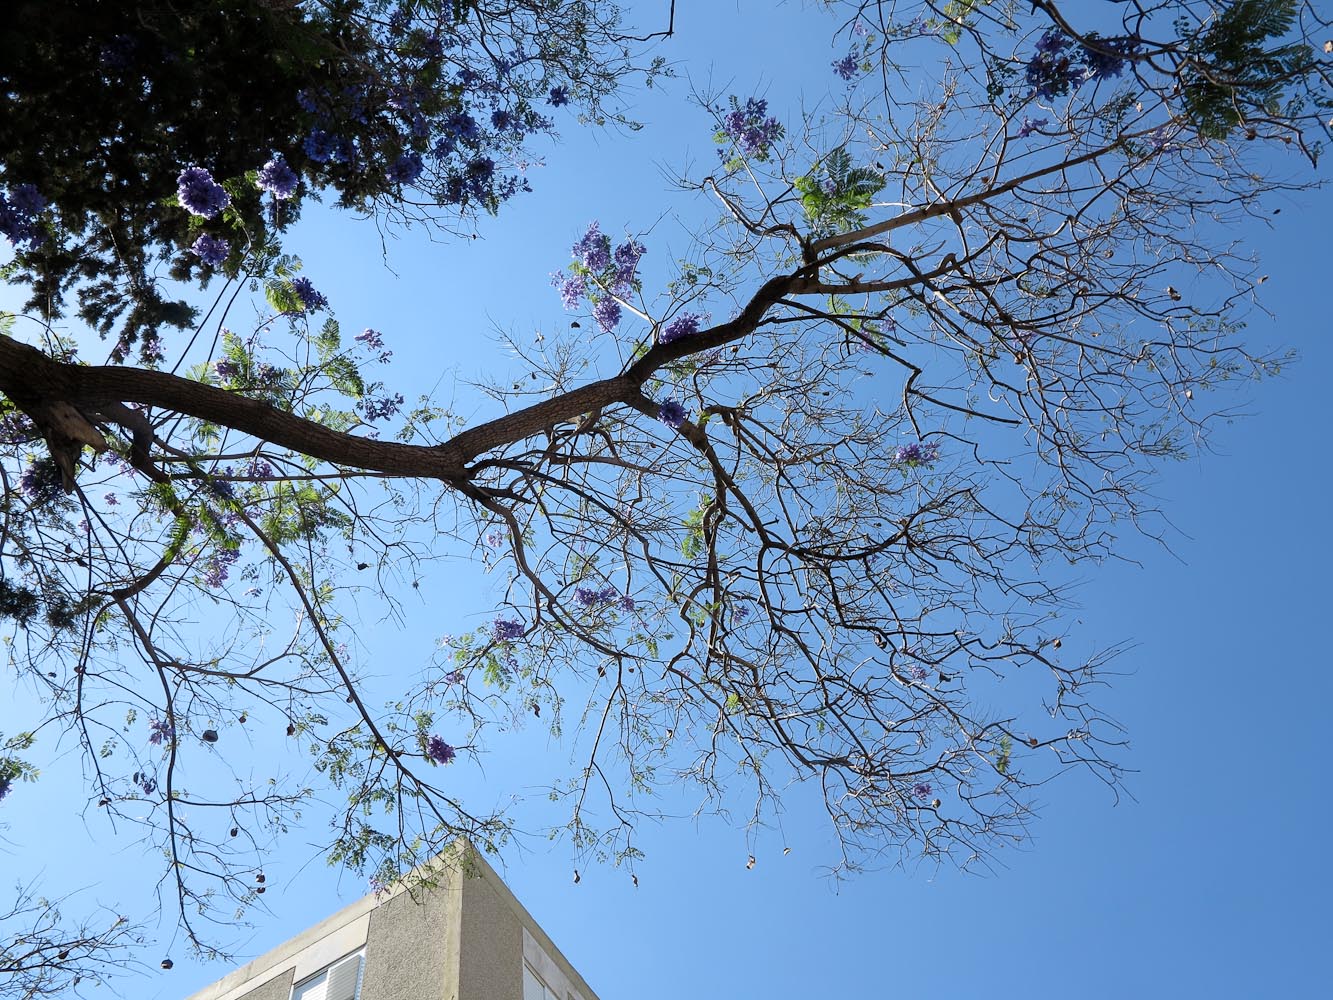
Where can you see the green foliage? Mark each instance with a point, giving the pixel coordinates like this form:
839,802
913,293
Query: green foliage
836,194
692,545
1232,74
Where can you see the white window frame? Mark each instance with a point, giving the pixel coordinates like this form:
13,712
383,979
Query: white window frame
316,987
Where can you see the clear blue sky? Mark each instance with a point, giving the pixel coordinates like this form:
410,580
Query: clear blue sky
1210,882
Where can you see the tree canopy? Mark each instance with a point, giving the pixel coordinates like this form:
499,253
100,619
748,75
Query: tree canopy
795,516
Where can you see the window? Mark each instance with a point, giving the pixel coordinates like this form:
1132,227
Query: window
534,988
340,981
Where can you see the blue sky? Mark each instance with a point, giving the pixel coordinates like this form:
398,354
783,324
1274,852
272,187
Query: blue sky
1209,881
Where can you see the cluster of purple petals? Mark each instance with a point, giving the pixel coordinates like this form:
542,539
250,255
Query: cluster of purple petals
454,677
847,66
917,453
146,782
626,259
750,128
921,790
160,731
440,751
218,566
18,215
593,250
506,630
406,169
607,314
1058,65
17,428
1031,125
257,468
372,339
310,298
917,672
591,600
199,194
211,250
671,413
41,482
558,97
572,288
684,325
381,409
277,178
226,370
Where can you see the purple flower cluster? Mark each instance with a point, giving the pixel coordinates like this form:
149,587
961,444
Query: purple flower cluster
454,677
277,178
593,250
506,630
917,672
17,428
921,790
600,274
684,325
847,66
671,413
199,194
381,409
18,215
218,565
406,169
41,482
1031,125
558,97
1058,65
373,340
916,453
750,129
160,731
210,250
607,314
439,751
226,370
310,298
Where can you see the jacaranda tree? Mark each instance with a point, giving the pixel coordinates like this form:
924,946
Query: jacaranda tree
726,560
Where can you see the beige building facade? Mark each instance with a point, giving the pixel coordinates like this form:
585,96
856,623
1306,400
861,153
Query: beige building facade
464,938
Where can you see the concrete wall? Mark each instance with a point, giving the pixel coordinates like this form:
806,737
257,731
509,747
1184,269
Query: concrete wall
464,938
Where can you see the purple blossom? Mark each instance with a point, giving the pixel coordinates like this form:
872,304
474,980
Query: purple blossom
406,169
626,604
593,250
921,790
916,453
382,408
210,250
684,325
589,599
372,339
671,413
27,199
278,178
41,481
199,194
440,751
258,469
1051,71
501,119
1031,125
454,677
226,370
18,216
627,257
160,731
151,350
462,126
847,66
749,128
310,298
607,314
218,566
558,97
320,146
917,672
111,500
572,289
506,630
1109,57
16,428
